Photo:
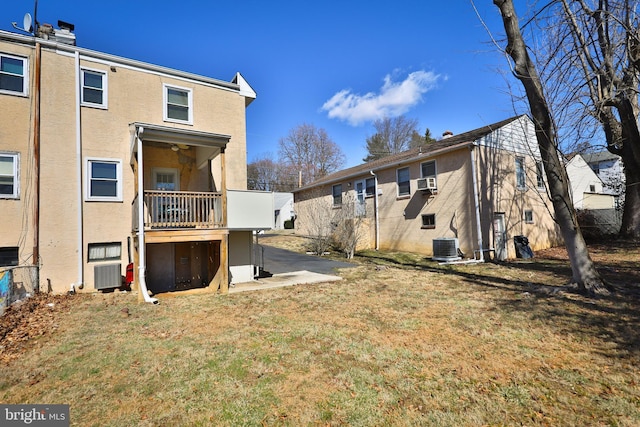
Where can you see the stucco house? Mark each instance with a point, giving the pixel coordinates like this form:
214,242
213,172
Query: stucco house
473,191
107,161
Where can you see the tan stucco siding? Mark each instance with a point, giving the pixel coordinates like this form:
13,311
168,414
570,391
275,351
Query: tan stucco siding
401,216
133,95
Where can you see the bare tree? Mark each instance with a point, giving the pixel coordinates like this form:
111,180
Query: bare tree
393,135
267,174
315,217
584,272
589,65
348,224
310,150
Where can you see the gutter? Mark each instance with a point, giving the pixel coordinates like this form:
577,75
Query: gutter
386,166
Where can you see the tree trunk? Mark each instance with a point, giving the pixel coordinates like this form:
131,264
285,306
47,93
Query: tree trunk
584,272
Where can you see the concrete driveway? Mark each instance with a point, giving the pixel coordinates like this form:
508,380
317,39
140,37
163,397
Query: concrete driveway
290,268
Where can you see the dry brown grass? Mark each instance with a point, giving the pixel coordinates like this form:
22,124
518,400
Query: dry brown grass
400,341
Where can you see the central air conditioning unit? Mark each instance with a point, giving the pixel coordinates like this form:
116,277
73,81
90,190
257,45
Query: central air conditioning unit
445,249
425,184
107,276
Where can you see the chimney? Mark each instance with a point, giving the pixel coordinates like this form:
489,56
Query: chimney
447,134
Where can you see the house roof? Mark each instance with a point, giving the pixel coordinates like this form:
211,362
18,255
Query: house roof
600,156
427,151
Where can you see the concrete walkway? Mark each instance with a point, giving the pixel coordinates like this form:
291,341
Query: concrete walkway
280,280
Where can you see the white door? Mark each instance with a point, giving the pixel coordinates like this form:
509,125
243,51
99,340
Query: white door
500,236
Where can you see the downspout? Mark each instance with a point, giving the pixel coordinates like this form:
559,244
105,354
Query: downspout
80,282
36,157
142,263
476,202
377,223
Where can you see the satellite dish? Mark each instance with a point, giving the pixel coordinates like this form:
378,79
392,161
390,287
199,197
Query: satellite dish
26,22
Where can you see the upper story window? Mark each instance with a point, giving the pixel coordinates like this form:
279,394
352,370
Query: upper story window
13,74
540,175
336,191
9,182
178,104
104,180
520,173
403,180
94,88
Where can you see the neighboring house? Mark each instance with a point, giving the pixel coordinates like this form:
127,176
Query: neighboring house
478,189
609,168
105,159
596,207
283,209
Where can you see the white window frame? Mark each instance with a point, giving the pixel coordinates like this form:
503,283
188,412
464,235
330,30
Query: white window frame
105,103
528,213
88,196
333,195
540,175
15,175
398,182
25,76
426,216
520,161
165,103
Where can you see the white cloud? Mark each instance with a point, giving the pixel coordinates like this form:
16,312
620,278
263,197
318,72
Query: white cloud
394,99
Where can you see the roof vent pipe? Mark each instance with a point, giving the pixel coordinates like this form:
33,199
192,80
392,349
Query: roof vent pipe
447,134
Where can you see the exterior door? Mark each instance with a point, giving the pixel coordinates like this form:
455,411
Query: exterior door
500,236
165,179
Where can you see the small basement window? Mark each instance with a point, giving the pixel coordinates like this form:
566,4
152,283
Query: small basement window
105,251
429,221
9,256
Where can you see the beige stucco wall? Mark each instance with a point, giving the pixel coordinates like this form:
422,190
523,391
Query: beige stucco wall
400,217
15,137
134,95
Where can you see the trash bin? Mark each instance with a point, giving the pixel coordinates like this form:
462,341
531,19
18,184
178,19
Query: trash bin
522,247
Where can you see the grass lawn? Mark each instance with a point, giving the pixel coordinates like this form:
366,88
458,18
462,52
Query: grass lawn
400,341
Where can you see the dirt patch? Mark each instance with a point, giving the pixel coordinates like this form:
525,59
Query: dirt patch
26,320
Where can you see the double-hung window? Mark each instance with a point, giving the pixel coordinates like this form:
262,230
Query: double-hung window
403,180
370,187
540,175
520,174
178,104
104,251
14,72
9,179
336,191
104,180
94,88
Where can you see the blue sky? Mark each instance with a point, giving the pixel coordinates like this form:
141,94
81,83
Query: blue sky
338,65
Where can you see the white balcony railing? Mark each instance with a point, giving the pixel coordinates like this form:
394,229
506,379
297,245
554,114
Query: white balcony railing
180,209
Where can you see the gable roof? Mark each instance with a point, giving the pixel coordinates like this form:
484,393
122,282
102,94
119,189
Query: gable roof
430,150
600,156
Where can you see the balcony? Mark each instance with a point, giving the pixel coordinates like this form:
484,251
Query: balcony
180,210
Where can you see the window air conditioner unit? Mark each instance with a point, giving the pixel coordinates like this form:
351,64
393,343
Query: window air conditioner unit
427,184
107,276
445,249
